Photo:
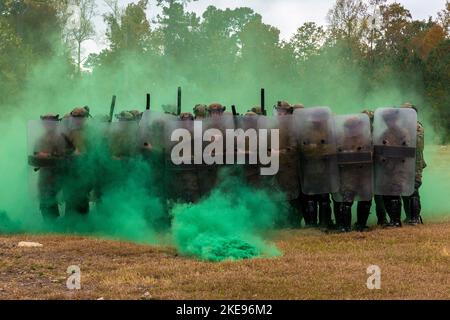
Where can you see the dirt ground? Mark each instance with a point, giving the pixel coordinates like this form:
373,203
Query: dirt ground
414,263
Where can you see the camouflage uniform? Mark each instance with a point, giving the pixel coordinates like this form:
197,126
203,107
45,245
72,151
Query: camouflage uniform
77,182
50,145
412,203
363,209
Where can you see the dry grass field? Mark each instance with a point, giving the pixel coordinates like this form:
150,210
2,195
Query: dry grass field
414,262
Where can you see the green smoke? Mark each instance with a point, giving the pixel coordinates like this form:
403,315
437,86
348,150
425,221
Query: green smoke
232,222
229,224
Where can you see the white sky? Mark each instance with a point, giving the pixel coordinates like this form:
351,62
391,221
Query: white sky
286,15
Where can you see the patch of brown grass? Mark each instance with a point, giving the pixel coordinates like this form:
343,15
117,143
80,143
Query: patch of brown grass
414,261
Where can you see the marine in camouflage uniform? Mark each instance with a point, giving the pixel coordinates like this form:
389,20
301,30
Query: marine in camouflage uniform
50,146
412,203
363,209
77,181
183,179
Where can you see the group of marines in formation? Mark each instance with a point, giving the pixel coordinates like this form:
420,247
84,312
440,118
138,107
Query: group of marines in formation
326,162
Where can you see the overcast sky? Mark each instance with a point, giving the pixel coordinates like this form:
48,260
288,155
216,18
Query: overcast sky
286,15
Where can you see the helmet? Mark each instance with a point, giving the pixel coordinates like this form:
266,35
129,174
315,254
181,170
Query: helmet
370,113
50,117
409,105
284,106
250,114
136,114
216,107
186,116
200,110
256,110
125,116
80,112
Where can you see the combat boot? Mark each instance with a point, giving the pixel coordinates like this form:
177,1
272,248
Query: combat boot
394,211
362,215
380,211
325,215
310,214
347,216
414,205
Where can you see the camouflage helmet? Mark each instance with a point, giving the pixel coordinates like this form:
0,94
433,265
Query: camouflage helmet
125,116
257,110
50,117
185,116
409,105
200,110
137,115
216,107
80,112
369,113
284,106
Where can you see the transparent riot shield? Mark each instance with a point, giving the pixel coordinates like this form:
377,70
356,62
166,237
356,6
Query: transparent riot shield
317,143
123,139
46,143
181,171
217,146
394,139
151,137
354,158
281,145
47,149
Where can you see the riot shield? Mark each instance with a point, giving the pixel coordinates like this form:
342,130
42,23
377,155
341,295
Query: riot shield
354,158
394,139
47,145
215,135
316,139
181,170
285,148
247,148
151,137
46,148
124,139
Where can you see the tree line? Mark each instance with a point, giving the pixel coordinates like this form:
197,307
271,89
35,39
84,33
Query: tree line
369,53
